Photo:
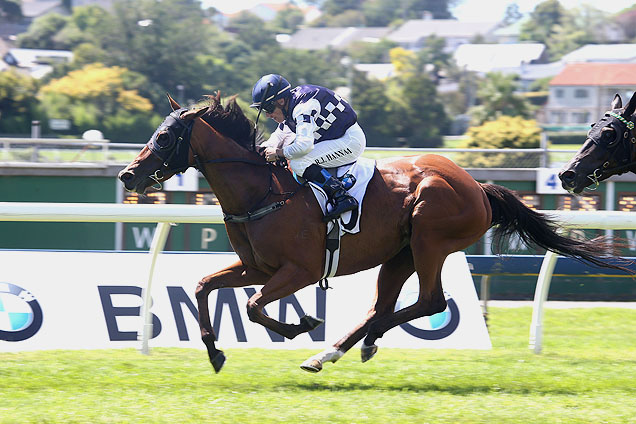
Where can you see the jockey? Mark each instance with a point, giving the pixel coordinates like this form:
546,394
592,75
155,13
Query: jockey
317,129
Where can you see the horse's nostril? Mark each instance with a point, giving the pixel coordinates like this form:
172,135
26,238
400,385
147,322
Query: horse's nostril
567,176
125,175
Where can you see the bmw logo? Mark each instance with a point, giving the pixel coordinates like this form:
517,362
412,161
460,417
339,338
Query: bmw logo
20,313
434,327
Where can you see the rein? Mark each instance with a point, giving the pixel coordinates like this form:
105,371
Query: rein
254,212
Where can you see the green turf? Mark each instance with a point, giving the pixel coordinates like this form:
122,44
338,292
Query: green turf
585,375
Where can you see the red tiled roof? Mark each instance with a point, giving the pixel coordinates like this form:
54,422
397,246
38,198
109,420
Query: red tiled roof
602,74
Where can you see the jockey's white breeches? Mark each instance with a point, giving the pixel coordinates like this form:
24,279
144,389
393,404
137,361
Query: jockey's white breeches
333,153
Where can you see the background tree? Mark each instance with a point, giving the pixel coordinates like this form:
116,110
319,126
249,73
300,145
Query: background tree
102,98
372,106
18,102
416,116
42,33
497,96
287,20
626,21
502,133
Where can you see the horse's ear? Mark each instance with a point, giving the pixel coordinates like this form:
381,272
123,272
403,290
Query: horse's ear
173,103
631,106
193,113
617,103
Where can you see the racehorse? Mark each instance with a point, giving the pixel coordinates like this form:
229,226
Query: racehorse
610,149
416,211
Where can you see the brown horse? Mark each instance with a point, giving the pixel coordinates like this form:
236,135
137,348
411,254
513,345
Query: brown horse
610,149
416,211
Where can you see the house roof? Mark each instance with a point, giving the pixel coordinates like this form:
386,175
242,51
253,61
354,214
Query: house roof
28,58
602,53
603,74
492,57
334,37
416,29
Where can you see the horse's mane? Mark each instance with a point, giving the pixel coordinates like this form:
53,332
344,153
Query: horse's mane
229,120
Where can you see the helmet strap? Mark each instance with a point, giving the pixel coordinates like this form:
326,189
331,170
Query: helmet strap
260,109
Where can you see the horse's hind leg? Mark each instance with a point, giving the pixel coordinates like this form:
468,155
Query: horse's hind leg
392,276
236,275
428,262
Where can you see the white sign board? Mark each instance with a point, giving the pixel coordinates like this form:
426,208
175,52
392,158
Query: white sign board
186,181
91,300
548,181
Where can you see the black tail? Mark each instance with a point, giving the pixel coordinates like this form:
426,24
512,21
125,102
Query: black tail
511,216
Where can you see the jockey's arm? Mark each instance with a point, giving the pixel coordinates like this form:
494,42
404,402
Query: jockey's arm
305,128
280,138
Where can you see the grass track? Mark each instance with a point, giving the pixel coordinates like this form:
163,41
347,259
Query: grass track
587,374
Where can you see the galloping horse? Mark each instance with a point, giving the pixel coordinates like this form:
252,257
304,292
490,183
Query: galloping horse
610,149
416,211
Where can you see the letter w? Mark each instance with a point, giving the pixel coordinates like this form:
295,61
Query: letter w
143,237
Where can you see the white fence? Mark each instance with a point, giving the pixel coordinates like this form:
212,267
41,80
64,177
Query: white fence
164,215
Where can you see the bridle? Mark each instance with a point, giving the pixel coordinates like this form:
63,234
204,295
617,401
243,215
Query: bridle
627,143
171,143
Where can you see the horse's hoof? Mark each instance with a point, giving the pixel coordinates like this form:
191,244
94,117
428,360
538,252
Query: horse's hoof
311,365
218,361
311,322
367,352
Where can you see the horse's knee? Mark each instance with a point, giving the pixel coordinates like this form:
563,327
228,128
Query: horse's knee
252,310
201,292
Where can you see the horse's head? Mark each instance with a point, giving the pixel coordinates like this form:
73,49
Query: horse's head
166,153
171,148
610,149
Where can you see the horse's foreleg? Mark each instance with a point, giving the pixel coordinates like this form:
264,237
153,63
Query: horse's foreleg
286,281
236,275
392,276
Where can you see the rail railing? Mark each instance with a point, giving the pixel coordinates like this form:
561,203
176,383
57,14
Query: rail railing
164,215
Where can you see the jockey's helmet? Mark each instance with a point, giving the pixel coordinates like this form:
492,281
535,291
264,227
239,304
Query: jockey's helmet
268,89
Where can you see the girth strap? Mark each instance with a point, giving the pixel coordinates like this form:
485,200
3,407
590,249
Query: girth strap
332,254
253,216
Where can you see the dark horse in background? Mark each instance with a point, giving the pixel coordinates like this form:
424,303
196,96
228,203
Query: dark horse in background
416,211
610,149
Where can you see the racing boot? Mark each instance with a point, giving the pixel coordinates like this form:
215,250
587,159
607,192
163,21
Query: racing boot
341,200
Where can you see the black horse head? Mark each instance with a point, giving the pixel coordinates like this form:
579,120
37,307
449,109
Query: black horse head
610,149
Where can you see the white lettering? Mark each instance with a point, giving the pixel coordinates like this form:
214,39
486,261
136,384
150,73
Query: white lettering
208,235
143,237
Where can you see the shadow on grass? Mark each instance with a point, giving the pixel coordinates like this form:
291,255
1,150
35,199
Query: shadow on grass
463,390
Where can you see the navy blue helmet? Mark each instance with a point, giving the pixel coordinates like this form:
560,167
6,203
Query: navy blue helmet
268,89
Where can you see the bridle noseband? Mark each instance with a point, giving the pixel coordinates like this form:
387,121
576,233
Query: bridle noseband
171,148
627,141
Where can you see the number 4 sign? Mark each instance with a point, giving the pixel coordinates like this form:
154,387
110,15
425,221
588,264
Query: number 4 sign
548,181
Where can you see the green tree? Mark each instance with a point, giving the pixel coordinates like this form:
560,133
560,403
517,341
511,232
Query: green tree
103,98
42,33
504,133
18,102
415,113
253,31
497,96
372,106
287,20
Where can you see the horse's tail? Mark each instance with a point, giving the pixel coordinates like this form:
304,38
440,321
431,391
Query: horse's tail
510,216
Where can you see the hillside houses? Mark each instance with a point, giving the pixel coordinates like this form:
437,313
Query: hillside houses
582,92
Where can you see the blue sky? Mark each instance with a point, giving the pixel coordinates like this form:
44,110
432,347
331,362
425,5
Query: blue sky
467,10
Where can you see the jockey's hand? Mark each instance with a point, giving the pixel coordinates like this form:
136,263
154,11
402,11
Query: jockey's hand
272,154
